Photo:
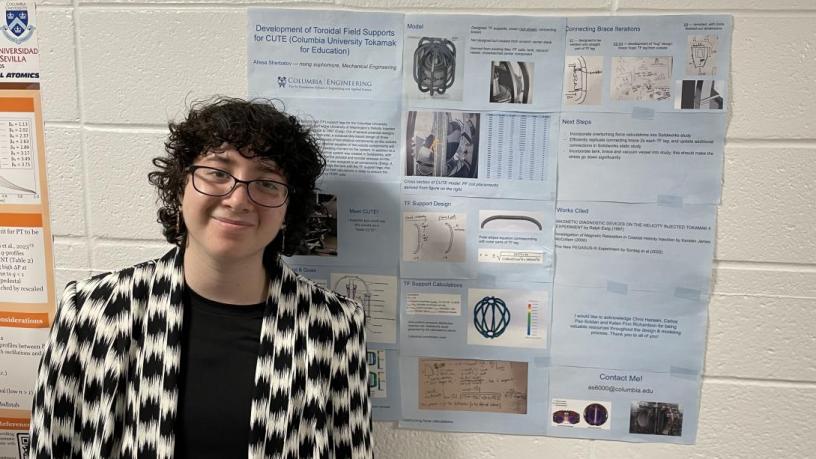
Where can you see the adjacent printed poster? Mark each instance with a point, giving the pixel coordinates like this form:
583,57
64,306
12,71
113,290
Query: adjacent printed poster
524,206
26,257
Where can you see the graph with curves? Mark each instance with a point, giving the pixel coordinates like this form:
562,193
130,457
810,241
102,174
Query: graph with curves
18,160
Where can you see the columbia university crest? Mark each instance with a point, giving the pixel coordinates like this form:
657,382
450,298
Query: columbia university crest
16,27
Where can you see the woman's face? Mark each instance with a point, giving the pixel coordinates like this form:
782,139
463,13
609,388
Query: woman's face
232,227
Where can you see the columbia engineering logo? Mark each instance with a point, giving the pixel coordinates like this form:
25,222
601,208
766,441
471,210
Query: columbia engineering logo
491,316
281,81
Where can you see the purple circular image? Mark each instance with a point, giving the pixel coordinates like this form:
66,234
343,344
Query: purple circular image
595,414
561,416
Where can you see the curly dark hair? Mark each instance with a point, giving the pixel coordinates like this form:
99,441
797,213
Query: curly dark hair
257,127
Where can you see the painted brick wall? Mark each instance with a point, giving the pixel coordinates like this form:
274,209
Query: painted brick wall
115,72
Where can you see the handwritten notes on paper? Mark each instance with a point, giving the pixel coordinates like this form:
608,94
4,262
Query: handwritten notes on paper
492,386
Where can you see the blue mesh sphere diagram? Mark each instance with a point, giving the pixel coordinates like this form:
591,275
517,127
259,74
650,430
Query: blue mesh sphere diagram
491,317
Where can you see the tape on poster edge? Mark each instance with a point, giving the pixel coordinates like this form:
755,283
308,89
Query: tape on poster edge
669,200
617,287
688,293
642,113
679,372
540,362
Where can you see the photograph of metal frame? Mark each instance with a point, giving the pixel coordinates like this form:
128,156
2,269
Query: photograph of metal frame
442,144
511,82
656,418
699,95
321,238
434,65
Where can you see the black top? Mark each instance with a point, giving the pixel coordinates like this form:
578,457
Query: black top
219,349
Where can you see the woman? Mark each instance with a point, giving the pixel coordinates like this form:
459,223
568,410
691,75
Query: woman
217,349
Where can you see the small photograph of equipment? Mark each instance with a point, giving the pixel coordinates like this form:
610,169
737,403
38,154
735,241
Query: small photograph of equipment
442,144
581,414
656,418
699,95
434,65
566,416
321,237
511,82
596,414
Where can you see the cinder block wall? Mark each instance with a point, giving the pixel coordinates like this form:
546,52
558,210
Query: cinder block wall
114,72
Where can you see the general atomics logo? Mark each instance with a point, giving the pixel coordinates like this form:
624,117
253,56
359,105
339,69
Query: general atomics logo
281,81
17,28
491,316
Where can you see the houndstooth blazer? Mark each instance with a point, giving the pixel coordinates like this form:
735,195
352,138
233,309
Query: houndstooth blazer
108,381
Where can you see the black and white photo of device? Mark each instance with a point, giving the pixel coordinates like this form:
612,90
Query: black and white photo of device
442,144
321,239
434,67
655,418
511,82
700,95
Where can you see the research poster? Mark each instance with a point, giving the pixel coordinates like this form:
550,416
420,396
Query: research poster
26,257
524,206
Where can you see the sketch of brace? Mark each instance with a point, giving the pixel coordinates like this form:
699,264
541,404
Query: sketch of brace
450,239
450,223
642,78
580,80
434,233
422,231
700,52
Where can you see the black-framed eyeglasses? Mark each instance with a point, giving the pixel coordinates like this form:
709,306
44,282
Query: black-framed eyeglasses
216,182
